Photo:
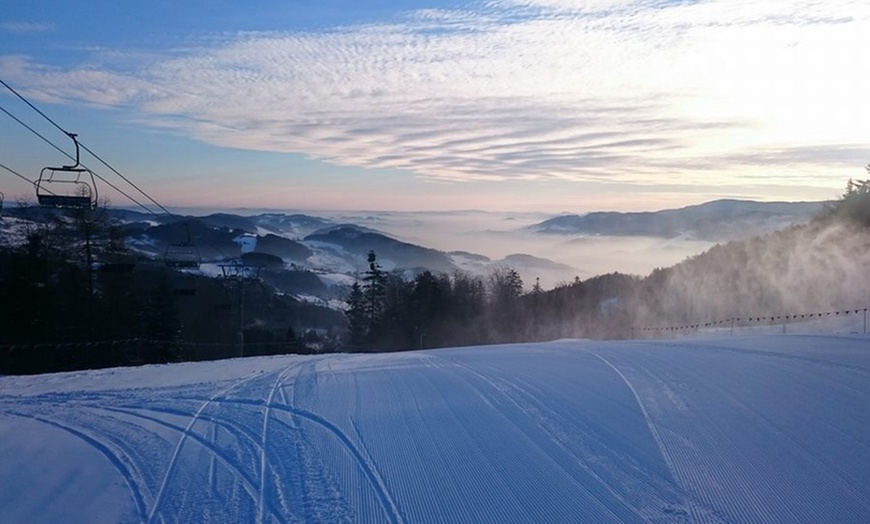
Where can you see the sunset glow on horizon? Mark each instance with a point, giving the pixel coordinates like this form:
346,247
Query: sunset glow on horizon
535,105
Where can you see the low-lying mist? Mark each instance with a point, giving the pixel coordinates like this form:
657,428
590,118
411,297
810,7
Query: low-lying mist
497,235
809,269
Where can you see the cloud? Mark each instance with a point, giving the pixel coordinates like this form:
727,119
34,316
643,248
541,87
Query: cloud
648,92
26,27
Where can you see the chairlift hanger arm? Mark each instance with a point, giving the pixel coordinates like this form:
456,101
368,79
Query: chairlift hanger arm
76,142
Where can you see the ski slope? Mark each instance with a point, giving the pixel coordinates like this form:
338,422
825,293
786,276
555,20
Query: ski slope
742,429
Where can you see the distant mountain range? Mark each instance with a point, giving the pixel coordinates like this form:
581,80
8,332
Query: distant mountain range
719,220
308,245
316,243
355,241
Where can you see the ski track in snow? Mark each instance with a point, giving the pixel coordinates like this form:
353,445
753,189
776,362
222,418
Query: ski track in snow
711,448
185,434
261,505
652,427
512,392
354,451
750,429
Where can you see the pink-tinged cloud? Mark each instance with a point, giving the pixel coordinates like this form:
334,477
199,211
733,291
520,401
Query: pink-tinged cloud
708,93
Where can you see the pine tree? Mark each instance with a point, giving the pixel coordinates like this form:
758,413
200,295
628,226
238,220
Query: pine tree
162,324
505,287
374,290
536,288
356,316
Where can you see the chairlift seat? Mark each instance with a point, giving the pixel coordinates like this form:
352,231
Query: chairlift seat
181,264
65,201
182,256
238,271
65,187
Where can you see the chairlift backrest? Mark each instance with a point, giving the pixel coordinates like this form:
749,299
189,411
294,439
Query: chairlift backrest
240,271
70,186
62,187
182,256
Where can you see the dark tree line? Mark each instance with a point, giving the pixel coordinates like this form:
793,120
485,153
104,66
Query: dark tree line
72,296
62,301
854,205
808,268
390,311
69,299
387,311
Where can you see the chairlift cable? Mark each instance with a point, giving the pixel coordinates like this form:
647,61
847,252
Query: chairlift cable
55,124
125,179
64,131
22,177
19,175
97,175
26,101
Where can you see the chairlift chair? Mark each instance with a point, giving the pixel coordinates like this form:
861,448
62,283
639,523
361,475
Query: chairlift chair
70,186
182,256
239,271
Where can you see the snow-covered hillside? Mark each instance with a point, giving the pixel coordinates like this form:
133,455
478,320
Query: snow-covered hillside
730,429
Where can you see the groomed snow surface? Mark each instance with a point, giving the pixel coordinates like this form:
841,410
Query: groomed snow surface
760,428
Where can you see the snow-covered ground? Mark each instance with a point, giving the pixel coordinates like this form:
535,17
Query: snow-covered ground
760,428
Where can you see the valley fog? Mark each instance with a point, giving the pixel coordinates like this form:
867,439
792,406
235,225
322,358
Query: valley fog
497,235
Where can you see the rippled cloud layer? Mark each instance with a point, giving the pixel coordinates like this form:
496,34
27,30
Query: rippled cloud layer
647,92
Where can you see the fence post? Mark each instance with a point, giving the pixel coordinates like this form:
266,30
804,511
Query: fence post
732,326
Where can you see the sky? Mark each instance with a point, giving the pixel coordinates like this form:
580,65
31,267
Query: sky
503,105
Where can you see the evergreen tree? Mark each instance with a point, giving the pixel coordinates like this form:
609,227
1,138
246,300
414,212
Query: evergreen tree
374,290
854,205
537,289
356,317
395,330
430,303
467,310
26,299
535,319
162,326
505,289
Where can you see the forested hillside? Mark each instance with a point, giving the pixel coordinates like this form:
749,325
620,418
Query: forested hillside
74,295
803,269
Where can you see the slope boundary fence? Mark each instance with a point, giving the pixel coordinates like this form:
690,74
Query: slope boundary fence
735,324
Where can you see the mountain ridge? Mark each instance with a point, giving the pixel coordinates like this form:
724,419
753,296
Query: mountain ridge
716,220
329,246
